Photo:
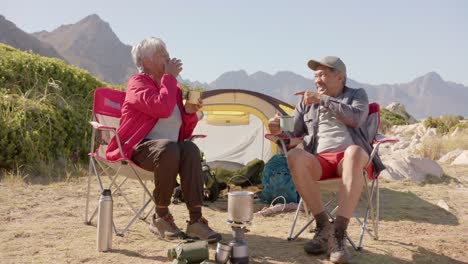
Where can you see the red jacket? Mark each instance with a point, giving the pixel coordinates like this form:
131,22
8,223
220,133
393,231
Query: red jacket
146,102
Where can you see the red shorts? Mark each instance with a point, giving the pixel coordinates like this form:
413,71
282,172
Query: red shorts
329,163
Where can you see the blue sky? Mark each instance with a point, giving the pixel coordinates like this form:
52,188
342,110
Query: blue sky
380,41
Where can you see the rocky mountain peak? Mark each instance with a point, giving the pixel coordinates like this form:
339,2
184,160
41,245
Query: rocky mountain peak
92,44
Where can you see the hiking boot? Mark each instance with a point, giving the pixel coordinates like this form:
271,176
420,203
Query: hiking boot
165,227
200,230
337,248
319,244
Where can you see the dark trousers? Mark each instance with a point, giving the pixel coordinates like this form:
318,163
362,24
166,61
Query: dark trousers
167,159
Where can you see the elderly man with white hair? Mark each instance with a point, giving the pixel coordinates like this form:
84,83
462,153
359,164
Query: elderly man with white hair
153,127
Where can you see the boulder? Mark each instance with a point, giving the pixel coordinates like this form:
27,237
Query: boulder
461,159
415,129
426,166
399,108
402,144
401,167
451,155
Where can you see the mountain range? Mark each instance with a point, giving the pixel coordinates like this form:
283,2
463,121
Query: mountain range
91,44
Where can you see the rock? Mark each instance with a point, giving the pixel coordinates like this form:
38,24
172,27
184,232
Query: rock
401,167
443,205
462,159
406,129
451,155
431,132
426,166
458,131
399,108
402,144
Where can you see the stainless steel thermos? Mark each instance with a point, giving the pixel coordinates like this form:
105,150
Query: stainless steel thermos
104,222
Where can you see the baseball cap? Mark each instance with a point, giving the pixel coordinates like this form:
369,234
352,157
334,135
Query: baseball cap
329,61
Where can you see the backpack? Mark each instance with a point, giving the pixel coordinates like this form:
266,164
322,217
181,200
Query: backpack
277,181
211,188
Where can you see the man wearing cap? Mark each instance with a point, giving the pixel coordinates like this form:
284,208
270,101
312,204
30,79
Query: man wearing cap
332,122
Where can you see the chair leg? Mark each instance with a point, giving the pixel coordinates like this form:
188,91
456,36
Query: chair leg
366,216
149,212
88,190
134,218
92,167
144,200
291,231
377,217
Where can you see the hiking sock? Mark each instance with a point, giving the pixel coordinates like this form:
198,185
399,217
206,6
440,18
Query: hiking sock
195,213
321,219
162,211
341,224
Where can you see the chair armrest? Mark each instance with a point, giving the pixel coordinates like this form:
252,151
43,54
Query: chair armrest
379,139
193,137
382,139
99,126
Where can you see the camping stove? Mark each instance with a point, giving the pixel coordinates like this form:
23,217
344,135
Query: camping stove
240,214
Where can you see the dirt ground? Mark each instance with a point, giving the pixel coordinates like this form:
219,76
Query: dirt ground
44,223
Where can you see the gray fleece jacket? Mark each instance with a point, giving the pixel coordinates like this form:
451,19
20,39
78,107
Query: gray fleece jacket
351,108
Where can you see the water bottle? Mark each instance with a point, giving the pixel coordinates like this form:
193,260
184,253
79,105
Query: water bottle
104,222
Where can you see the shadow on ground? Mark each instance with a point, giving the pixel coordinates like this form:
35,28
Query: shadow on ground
292,252
394,206
397,206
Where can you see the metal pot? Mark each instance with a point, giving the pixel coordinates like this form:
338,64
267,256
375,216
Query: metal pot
223,252
240,207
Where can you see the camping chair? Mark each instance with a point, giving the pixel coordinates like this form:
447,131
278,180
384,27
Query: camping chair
372,191
106,118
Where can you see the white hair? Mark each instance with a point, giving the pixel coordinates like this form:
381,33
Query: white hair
146,48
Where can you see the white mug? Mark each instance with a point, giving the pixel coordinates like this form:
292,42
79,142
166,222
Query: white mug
287,123
194,96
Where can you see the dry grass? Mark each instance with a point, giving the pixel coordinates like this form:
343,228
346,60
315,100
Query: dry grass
435,147
43,223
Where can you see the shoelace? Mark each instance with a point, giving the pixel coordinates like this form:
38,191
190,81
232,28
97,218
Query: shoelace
170,220
339,241
319,233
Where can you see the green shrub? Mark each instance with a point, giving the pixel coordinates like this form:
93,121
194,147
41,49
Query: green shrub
45,107
389,119
444,124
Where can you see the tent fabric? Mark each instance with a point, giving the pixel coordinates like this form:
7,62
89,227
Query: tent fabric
235,122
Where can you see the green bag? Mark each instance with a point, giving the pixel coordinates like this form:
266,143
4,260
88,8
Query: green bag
248,175
189,252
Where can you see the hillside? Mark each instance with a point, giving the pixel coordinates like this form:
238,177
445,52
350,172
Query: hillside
45,107
13,36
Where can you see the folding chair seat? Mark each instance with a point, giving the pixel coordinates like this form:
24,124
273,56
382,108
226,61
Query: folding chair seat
106,118
371,185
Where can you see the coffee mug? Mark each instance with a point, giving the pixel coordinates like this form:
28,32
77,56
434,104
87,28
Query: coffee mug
287,123
194,96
